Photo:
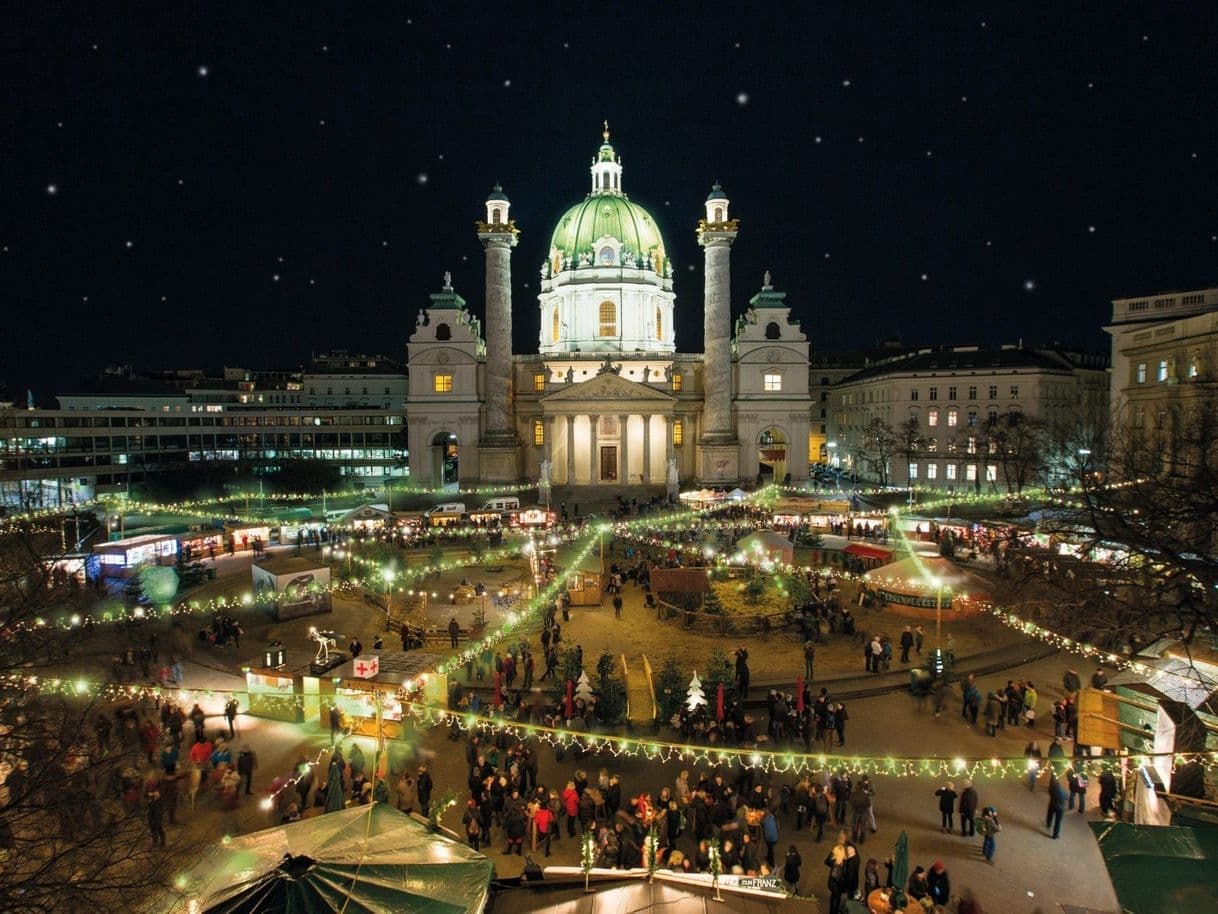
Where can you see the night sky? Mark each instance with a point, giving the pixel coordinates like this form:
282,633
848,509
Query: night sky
201,184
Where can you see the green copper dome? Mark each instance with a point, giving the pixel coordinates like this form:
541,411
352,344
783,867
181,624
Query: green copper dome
610,214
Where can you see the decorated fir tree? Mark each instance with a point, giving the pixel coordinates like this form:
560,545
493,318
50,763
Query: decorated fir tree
583,689
695,698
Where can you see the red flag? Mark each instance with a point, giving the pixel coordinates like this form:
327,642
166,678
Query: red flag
719,702
498,690
799,694
568,710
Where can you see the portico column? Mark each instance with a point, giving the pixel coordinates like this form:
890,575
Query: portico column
594,470
623,425
547,446
646,449
668,420
570,450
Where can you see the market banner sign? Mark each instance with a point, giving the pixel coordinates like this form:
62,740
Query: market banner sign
367,667
909,599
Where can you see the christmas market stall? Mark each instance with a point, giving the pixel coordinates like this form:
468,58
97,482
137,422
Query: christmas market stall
293,586
919,585
386,678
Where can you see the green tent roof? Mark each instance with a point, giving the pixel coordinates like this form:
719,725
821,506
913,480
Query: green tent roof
363,860
1158,869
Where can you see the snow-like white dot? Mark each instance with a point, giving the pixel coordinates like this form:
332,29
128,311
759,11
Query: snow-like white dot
129,244
1091,229
275,277
507,84
1029,285
818,139
742,98
845,84
421,177
203,70
52,189
925,277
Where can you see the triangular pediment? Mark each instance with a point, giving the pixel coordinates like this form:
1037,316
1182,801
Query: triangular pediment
610,387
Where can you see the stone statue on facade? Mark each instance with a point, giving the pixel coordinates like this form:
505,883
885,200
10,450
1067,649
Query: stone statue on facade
547,469
448,281
570,377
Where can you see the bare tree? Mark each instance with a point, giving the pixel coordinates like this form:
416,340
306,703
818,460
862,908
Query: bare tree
879,445
1018,444
1142,523
69,838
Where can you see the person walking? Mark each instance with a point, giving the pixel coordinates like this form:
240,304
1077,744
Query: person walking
919,635
769,832
617,606
246,763
839,723
840,861
472,820
156,815
907,642
1030,699
230,714
1108,792
988,828
947,805
423,786
790,869
968,810
1057,805
1077,778
454,632
809,659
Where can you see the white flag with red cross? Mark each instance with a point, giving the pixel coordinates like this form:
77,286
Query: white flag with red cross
367,667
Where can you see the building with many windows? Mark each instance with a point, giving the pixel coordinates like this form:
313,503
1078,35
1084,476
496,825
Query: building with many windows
607,400
965,417
1164,354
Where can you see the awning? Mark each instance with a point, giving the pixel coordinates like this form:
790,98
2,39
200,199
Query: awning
868,552
1159,869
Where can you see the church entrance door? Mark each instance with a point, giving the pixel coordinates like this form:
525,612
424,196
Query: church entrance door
609,463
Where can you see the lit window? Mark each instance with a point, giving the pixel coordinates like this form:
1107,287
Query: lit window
972,445
659,326
932,418
677,381
932,445
443,384
949,470
991,472
1014,391
1194,367
913,472
970,472
608,316
773,381
932,471
1141,375
953,416
678,433
1163,370
554,326
539,433
539,381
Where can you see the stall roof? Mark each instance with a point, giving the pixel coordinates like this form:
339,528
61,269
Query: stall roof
142,540
867,551
362,859
1194,683
666,894
290,564
1158,869
918,568
395,666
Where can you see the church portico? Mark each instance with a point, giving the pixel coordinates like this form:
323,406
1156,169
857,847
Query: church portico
608,431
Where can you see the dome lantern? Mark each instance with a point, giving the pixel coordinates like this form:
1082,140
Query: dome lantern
606,167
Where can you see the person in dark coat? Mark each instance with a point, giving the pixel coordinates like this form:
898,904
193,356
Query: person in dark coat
1057,805
1108,791
968,810
790,869
947,805
424,785
938,884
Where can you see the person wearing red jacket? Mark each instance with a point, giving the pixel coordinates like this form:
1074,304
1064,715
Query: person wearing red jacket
570,803
543,822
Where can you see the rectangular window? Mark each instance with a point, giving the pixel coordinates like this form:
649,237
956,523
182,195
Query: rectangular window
913,472
1141,373
972,418
972,445
539,382
1139,417
991,472
953,416
950,472
970,472
932,417
913,394
932,445
993,391
773,381
934,394
1163,370
443,384
932,471
677,382
539,433
678,433
972,392
1014,391
951,392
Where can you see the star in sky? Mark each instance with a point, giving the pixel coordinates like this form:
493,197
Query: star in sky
742,98
422,177
52,189
1029,285
203,70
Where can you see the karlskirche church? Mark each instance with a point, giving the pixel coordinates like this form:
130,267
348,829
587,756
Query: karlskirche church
607,400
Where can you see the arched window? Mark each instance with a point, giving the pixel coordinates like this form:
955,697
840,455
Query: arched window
608,319
773,331
495,216
554,326
659,326
444,332
718,213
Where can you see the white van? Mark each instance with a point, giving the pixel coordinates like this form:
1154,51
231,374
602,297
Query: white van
502,505
449,507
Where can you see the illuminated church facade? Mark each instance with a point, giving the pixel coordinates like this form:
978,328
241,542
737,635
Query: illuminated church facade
607,400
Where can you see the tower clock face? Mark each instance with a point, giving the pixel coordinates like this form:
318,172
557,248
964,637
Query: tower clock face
607,256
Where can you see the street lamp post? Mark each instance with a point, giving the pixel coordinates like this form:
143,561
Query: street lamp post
388,575
938,585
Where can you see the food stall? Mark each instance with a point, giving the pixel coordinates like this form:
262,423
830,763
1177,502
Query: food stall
122,558
299,585
244,536
394,676
274,694
585,578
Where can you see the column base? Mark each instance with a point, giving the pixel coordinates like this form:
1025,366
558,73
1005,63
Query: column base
718,462
498,460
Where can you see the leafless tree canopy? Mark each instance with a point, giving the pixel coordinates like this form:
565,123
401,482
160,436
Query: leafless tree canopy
68,841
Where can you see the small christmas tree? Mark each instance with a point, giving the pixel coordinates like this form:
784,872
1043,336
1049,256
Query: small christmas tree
583,689
695,698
